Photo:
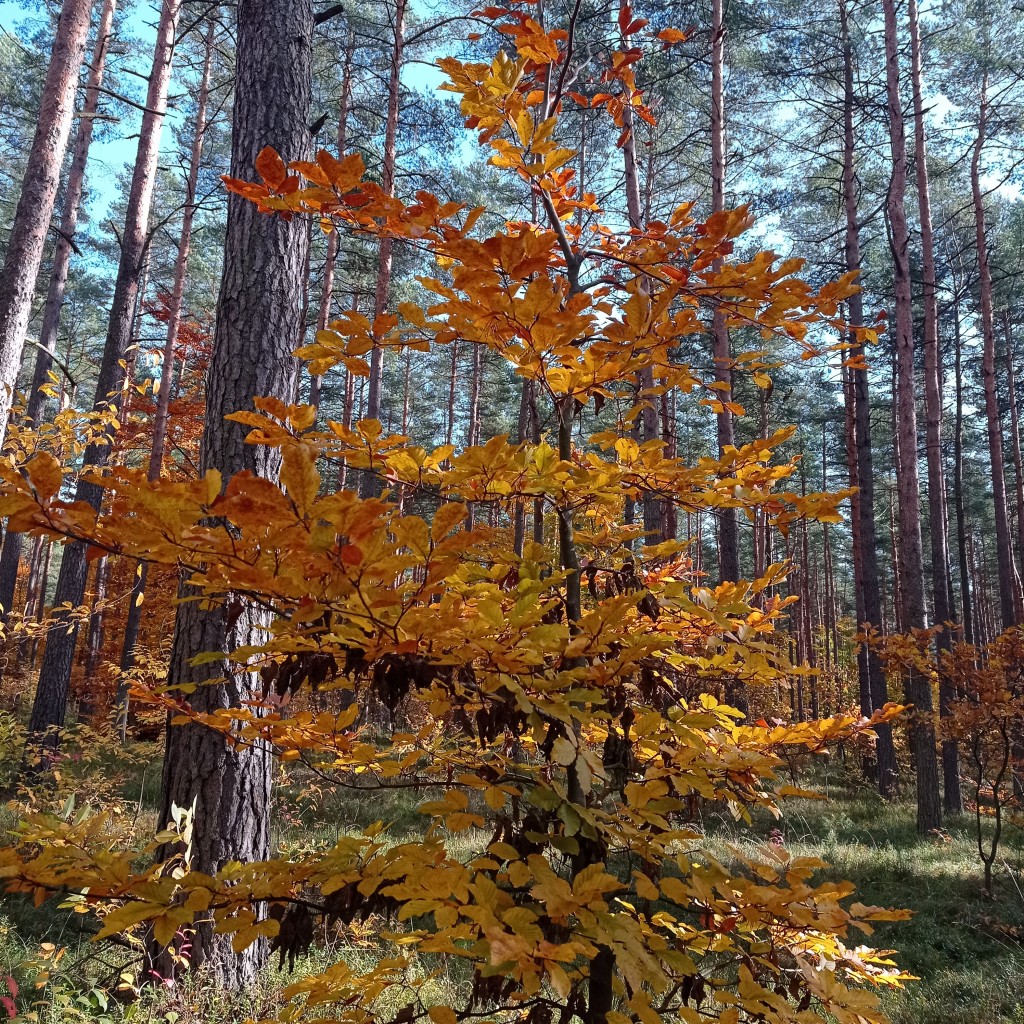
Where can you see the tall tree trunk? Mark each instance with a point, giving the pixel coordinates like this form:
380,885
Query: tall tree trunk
728,527
538,502
174,311
10,554
519,510
473,432
38,194
966,603
258,312
327,287
669,520
863,653
453,377
35,560
69,216
911,561
87,705
473,427
645,379
1004,553
938,519
161,417
35,605
348,403
1015,446
806,624
55,674
383,288
862,472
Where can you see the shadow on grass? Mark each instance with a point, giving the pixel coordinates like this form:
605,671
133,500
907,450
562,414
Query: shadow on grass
959,943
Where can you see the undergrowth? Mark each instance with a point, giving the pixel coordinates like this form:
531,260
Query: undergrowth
967,950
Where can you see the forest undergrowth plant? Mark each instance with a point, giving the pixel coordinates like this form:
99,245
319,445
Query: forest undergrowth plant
561,699
988,722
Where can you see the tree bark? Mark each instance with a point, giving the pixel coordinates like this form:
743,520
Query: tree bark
1004,549
161,417
38,194
938,518
87,705
1015,445
10,554
645,379
966,602
522,430
453,379
55,674
383,288
174,310
862,472
910,554
258,311
728,527
69,217
327,286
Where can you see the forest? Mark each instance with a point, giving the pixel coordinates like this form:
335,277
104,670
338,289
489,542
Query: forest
511,514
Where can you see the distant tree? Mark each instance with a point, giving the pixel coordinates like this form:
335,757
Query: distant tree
24,251
50,704
911,560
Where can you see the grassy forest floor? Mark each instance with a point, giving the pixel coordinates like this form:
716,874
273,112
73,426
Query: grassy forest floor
968,950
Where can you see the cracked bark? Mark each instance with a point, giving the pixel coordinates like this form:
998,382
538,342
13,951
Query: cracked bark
258,315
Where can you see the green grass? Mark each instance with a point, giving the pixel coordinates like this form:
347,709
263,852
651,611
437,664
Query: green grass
970,970
961,944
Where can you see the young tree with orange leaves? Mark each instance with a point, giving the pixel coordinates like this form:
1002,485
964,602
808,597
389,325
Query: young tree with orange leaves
565,736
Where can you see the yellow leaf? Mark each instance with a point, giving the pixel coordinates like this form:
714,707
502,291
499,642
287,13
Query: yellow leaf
446,518
45,474
563,751
299,476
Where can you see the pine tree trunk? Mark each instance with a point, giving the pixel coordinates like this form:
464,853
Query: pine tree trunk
728,528
519,510
35,601
473,428
1004,553
39,194
863,677
327,287
258,311
55,674
69,216
1015,445
669,521
383,288
87,706
161,417
645,379
910,556
10,554
453,377
862,472
938,519
34,560
538,503
966,601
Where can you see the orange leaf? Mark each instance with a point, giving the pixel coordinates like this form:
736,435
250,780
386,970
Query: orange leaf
271,167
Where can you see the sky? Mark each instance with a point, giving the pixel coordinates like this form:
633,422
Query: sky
114,150
109,157
111,152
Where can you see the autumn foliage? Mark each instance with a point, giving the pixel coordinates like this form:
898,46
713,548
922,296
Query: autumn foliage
558,704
